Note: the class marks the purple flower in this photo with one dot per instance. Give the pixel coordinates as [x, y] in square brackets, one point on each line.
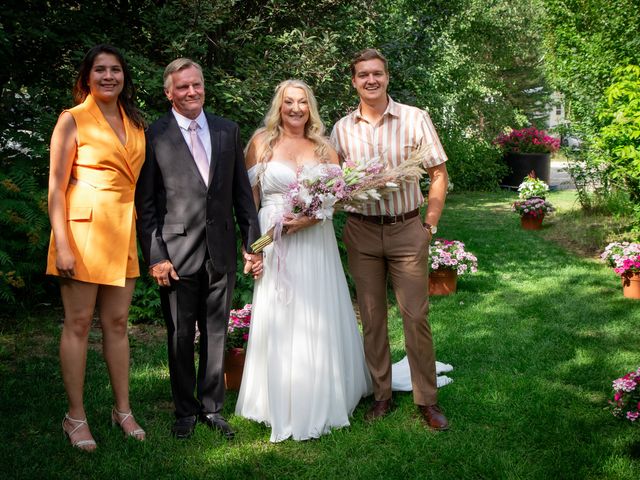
[450, 254]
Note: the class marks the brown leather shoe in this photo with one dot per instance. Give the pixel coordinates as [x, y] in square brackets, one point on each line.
[433, 417]
[378, 409]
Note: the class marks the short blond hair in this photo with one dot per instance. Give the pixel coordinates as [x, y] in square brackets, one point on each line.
[177, 65]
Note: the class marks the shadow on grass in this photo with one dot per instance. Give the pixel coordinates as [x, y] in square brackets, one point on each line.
[536, 337]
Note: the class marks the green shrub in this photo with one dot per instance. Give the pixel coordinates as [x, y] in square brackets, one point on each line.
[473, 164]
[145, 306]
[25, 230]
[619, 137]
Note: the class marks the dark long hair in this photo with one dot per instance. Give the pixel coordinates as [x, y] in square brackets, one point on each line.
[127, 97]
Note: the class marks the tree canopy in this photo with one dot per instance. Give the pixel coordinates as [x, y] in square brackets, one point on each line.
[471, 63]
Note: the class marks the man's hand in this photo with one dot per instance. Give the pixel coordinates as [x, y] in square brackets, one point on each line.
[253, 264]
[428, 232]
[163, 272]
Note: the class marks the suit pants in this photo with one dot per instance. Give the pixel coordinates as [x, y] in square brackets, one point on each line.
[399, 252]
[203, 298]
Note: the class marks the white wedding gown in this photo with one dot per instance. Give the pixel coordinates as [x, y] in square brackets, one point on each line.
[305, 371]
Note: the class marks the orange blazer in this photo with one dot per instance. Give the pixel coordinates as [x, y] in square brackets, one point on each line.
[100, 199]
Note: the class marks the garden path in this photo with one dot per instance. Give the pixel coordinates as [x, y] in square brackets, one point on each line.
[559, 179]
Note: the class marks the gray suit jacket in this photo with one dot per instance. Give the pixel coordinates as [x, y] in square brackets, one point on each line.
[179, 217]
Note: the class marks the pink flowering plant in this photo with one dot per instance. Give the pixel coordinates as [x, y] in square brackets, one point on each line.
[626, 396]
[623, 257]
[532, 207]
[238, 328]
[451, 255]
[527, 140]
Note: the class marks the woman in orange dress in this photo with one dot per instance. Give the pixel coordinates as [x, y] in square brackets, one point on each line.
[97, 151]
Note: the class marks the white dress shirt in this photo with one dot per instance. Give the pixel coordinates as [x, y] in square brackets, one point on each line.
[203, 131]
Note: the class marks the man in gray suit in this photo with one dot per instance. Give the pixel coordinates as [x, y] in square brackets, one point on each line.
[192, 183]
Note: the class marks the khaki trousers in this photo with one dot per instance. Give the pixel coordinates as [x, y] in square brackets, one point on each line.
[398, 252]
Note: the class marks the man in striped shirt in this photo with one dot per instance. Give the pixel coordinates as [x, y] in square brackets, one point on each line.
[389, 238]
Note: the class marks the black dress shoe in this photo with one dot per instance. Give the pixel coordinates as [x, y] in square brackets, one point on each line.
[183, 427]
[217, 422]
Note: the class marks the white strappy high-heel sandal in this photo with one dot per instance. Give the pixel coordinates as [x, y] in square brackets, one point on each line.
[77, 424]
[118, 418]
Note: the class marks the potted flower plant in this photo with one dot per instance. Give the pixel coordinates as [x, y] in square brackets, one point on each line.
[525, 150]
[624, 258]
[237, 337]
[626, 396]
[532, 186]
[448, 260]
[532, 211]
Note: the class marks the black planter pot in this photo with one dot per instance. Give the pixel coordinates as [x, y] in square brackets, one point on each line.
[521, 164]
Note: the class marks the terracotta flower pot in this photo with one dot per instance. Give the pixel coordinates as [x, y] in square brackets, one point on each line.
[233, 367]
[631, 285]
[443, 282]
[529, 222]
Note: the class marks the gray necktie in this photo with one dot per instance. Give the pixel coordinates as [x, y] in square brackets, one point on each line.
[198, 151]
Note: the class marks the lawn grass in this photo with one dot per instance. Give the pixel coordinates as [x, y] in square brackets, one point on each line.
[536, 337]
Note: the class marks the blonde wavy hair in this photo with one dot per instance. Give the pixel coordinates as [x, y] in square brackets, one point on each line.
[272, 123]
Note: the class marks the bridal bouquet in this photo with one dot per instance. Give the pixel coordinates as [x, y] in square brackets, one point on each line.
[626, 397]
[317, 191]
[322, 189]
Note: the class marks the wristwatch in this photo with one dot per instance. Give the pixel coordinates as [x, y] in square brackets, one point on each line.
[432, 228]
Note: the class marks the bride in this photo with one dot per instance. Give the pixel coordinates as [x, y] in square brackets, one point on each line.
[305, 371]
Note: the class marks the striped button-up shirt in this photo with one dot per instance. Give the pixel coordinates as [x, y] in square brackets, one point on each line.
[401, 130]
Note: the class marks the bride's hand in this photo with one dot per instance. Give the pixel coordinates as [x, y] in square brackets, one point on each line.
[253, 264]
[294, 223]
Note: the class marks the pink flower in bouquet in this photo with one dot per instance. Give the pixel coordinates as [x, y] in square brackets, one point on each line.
[317, 191]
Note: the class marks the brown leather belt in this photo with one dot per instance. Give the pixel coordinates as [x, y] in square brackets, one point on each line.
[386, 219]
